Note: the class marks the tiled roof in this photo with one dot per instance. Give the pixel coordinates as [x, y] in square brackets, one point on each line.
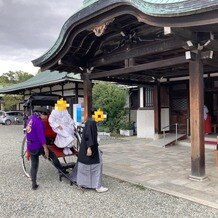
[164, 7]
[42, 79]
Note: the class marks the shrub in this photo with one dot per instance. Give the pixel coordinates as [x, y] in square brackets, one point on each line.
[103, 128]
[126, 125]
[112, 98]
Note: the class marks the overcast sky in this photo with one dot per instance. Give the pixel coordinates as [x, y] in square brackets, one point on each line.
[28, 28]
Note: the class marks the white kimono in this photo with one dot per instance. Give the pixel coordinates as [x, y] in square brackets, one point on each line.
[65, 137]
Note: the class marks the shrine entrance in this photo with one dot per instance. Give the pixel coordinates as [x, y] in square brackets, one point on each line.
[179, 108]
[145, 44]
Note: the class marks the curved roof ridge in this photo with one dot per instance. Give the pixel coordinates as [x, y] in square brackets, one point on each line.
[146, 5]
[155, 8]
[90, 2]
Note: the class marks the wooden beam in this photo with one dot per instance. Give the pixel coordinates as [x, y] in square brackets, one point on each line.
[128, 82]
[196, 119]
[138, 50]
[142, 67]
[182, 33]
[212, 62]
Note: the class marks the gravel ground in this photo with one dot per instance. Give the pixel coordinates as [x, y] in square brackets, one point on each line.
[59, 199]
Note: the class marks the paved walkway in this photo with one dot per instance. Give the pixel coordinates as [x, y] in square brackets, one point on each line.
[162, 169]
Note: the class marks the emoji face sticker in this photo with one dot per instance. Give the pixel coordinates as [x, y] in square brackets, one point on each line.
[99, 116]
[61, 105]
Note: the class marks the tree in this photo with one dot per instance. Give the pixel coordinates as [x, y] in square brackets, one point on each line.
[112, 98]
[10, 101]
[3, 80]
[14, 77]
[23, 76]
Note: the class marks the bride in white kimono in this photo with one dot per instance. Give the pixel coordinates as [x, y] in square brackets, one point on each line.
[62, 124]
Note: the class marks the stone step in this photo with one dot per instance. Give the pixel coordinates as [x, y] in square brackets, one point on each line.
[169, 139]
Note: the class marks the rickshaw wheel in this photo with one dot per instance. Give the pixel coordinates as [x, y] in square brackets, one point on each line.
[26, 163]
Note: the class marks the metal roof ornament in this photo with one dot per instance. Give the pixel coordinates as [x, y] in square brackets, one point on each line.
[99, 30]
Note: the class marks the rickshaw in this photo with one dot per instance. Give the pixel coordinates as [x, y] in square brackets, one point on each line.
[67, 161]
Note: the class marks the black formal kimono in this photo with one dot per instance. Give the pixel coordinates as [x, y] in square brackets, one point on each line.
[89, 139]
[88, 170]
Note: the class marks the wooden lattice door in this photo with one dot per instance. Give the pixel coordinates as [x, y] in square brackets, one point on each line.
[179, 107]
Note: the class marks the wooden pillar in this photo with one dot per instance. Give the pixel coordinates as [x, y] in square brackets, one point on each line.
[157, 114]
[87, 87]
[62, 90]
[129, 63]
[196, 119]
[76, 93]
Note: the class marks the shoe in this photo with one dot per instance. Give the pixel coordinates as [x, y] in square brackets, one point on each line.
[34, 187]
[65, 171]
[101, 189]
[65, 151]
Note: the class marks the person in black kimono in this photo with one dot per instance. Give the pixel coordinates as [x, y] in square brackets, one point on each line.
[88, 171]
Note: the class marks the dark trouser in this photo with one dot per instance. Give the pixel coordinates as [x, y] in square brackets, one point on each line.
[35, 162]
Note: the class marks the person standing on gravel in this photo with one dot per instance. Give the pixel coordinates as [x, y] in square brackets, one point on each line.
[36, 143]
[88, 171]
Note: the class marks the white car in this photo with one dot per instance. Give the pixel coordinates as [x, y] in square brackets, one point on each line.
[9, 117]
[1, 116]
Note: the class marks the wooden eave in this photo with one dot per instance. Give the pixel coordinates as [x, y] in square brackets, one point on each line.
[129, 33]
